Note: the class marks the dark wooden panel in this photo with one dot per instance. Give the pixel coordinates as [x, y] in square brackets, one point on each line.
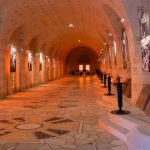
[144, 100]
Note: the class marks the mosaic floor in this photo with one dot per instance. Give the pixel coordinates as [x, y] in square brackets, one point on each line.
[60, 115]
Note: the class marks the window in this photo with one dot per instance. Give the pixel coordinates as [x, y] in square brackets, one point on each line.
[87, 67]
[80, 67]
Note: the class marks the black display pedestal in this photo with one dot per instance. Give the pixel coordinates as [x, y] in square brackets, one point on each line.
[102, 77]
[120, 111]
[104, 80]
[109, 86]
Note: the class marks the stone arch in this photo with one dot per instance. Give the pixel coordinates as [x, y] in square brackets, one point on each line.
[81, 55]
[18, 36]
[34, 43]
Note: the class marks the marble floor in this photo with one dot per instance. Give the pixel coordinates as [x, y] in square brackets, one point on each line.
[60, 115]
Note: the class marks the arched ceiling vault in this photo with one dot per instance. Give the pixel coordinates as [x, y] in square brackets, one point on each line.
[44, 24]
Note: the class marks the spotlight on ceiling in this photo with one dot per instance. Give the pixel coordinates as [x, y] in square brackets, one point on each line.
[71, 25]
[100, 52]
[105, 43]
[110, 34]
[79, 41]
[102, 49]
[99, 59]
[122, 20]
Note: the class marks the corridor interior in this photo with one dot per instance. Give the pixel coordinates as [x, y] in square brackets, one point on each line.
[74, 74]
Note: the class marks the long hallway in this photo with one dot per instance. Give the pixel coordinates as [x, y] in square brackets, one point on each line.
[75, 74]
[61, 115]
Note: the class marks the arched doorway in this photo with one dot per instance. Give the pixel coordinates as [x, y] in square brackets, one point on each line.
[81, 59]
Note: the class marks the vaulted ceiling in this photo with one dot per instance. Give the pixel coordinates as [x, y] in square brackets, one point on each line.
[57, 26]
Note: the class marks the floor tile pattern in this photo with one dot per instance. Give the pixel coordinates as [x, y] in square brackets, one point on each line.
[66, 109]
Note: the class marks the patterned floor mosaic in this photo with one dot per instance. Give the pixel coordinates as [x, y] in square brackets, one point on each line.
[60, 115]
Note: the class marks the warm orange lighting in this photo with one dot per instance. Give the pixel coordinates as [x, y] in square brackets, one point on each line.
[13, 80]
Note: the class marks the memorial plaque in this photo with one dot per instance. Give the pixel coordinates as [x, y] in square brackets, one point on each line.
[144, 100]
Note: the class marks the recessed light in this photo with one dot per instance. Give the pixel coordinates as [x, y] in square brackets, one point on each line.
[99, 59]
[105, 43]
[71, 25]
[122, 20]
[110, 34]
[100, 52]
[79, 41]
[102, 49]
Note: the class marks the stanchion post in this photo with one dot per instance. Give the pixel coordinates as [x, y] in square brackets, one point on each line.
[120, 100]
[104, 79]
[109, 86]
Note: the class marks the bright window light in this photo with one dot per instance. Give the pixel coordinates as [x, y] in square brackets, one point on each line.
[87, 67]
[80, 67]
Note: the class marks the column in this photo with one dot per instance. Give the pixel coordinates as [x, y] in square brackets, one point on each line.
[36, 68]
[3, 47]
[22, 70]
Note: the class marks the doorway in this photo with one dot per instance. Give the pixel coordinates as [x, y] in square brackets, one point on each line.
[84, 69]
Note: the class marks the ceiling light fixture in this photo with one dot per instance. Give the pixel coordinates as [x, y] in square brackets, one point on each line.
[122, 20]
[105, 43]
[71, 25]
[99, 59]
[110, 34]
[79, 41]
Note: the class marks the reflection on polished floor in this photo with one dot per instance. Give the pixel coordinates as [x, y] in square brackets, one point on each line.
[61, 115]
